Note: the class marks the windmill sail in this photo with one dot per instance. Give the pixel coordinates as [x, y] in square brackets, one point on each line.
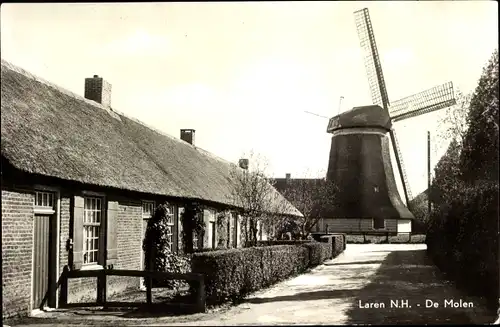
[402, 171]
[433, 99]
[371, 58]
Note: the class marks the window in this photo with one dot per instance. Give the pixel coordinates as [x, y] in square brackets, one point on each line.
[44, 199]
[148, 208]
[170, 228]
[378, 223]
[213, 231]
[92, 219]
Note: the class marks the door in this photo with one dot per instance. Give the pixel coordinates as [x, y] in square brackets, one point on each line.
[143, 263]
[41, 261]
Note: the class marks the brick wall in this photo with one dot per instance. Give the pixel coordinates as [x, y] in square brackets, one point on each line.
[129, 242]
[17, 245]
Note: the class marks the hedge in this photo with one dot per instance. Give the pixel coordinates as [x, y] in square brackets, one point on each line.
[337, 242]
[283, 242]
[233, 274]
[463, 240]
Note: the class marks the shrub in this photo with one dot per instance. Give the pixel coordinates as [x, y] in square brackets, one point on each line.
[282, 242]
[157, 249]
[234, 273]
[318, 252]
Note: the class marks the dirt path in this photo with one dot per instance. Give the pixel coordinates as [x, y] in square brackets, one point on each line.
[338, 291]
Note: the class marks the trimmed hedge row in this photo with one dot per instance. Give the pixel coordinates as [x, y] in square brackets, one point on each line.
[283, 242]
[338, 242]
[233, 274]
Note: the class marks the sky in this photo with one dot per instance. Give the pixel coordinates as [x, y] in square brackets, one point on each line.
[242, 74]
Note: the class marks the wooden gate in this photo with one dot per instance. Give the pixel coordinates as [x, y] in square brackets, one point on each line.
[41, 260]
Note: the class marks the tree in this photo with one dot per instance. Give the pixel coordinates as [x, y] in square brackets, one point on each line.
[479, 159]
[311, 196]
[453, 126]
[258, 200]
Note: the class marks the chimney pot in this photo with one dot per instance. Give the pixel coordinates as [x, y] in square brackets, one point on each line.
[187, 135]
[98, 90]
[243, 163]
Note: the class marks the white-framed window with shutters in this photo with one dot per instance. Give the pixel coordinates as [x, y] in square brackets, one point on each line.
[92, 229]
[148, 208]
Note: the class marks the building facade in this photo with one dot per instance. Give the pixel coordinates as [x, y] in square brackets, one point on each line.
[80, 182]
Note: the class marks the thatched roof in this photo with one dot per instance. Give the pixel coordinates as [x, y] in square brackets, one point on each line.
[50, 131]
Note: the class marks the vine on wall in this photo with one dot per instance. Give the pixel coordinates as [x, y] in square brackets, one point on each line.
[222, 222]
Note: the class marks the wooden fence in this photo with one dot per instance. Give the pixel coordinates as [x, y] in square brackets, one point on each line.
[101, 275]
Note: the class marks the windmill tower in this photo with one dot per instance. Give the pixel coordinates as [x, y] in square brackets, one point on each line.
[360, 152]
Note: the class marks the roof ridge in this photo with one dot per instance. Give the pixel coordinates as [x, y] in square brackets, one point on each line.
[63, 90]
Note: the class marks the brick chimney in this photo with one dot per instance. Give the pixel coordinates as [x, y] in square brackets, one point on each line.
[187, 135]
[243, 163]
[97, 89]
[287, 177]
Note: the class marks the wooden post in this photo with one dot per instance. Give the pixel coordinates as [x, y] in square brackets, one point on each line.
[149, 287]
[149, 282]
[63, 295]
[387, 237]
[101, 288]
[201, 296]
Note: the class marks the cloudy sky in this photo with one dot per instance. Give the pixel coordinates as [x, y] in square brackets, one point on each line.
[242, 74]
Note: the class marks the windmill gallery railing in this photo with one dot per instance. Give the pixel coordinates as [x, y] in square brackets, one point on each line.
[197, 280]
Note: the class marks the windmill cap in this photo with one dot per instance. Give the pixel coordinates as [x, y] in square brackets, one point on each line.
[365, 116]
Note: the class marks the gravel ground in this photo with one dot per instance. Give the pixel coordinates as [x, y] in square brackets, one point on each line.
[334, 293]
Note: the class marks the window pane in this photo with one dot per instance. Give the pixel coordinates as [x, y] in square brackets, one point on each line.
[98, 204]
[98, 217]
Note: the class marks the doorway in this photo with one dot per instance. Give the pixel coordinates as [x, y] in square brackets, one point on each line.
[44, 251]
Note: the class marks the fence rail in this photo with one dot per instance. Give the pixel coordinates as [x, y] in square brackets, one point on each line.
[101, 275]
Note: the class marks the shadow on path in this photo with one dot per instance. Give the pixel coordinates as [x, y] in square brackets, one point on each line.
[370, 262]
[408, 277]
[306, 296]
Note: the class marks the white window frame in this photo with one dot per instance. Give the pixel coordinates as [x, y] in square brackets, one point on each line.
[44, 202]
[373, 224]
[145, 214]
[171, 225]
[100, 229]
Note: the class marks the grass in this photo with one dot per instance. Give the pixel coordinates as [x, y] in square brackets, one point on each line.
[379, 239]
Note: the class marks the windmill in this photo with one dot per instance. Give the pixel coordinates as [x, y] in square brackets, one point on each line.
[435, 98]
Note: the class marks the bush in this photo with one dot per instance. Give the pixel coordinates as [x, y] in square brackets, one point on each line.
[282, 242]
[336, 241]
[232, 274]
[157, 253]
[318, 252]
